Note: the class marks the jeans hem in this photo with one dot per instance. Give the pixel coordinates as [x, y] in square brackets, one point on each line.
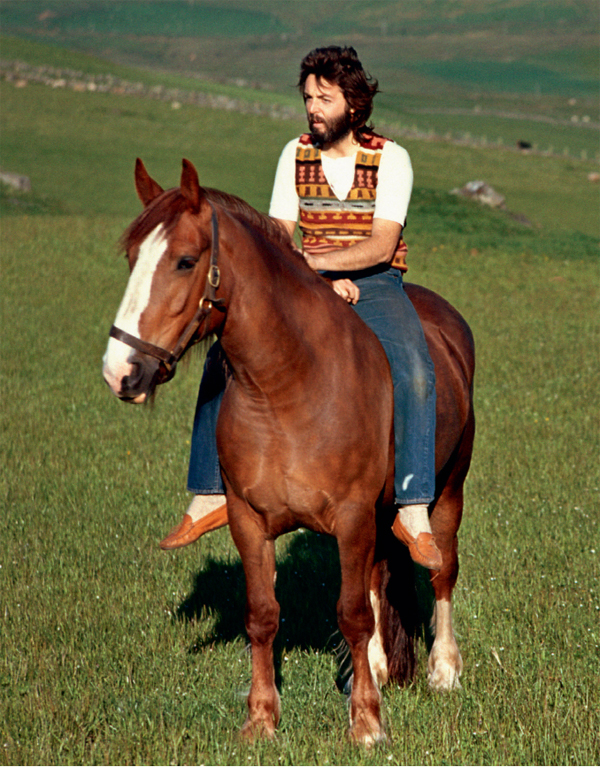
[206, 491]
[415, 502]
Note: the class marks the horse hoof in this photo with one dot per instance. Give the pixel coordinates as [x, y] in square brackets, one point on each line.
[261, 730]
[368, 737]
[444, 666]
[367, 730]
[445, 677]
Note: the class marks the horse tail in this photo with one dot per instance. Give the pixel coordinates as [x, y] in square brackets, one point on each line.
[394, 585]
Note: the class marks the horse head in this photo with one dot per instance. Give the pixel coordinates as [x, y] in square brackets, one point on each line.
[172, 251]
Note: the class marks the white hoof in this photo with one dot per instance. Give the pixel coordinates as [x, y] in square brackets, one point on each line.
[445, 665]
[444, 678]
[443, 673]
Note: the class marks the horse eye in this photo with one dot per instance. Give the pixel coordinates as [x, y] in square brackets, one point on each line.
[185, 263]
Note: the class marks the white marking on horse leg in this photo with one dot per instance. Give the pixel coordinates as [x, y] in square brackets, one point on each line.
[116, 363]
[445, 665]
[377, 656]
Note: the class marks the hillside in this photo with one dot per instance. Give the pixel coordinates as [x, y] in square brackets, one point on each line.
[117, 113]
[506, 70]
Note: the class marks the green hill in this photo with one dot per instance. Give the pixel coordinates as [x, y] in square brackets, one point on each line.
[83, 164]
[509, 69]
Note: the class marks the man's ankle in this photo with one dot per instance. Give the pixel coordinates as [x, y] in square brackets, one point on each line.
[202, 505]
[415, 518]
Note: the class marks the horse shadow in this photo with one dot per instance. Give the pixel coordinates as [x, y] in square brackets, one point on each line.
[307, 588]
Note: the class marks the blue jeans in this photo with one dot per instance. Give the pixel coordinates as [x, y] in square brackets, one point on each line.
[387, 310]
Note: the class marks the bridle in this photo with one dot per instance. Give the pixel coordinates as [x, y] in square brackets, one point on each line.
[168, 359]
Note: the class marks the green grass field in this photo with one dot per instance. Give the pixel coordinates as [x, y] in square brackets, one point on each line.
[113, 652]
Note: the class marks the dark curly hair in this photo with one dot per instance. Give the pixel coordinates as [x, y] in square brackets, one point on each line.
[342, 67]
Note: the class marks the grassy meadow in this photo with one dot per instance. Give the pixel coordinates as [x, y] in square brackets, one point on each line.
[114, 652]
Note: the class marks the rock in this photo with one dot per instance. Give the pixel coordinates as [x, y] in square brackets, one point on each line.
[16, 181]
[484, 193]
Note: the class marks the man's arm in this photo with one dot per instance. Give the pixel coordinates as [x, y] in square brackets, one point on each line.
[344, 287]
[377, 249]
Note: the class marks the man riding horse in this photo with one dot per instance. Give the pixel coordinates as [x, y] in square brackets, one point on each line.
[350, 189]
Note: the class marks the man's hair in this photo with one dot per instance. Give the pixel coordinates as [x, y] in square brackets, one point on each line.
[342, 67]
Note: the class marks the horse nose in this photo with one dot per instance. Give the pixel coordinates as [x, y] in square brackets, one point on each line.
[131, 382]
[139, 382]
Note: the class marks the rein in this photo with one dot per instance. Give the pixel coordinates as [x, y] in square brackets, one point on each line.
[169, 359]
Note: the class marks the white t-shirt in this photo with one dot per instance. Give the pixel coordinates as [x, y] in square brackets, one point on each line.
[394, 182]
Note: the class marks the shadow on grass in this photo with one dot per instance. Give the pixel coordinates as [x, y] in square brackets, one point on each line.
[307, 589]
[308, 586]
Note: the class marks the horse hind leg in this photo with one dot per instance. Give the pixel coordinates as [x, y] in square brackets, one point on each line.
[392, 650]
[445, 664]
[376, 650]
[378, 661]
[356, 622]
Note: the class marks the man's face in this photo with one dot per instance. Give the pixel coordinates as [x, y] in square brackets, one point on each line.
[327, 111]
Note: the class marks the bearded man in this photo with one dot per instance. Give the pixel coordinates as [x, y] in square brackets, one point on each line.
[348, 188]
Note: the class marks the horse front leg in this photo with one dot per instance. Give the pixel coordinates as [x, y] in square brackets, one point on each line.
[262, 620]
[377, 656]
[356, 545]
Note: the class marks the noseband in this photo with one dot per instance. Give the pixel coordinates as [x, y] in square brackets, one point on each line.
[169, 359]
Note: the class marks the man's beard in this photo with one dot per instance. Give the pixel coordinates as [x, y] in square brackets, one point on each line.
[334, 131]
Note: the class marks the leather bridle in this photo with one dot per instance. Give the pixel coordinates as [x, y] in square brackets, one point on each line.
[168, 359]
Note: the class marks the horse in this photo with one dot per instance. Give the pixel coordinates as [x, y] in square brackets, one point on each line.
[305, 430]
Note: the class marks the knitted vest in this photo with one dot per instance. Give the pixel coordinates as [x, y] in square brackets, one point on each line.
[327, 223]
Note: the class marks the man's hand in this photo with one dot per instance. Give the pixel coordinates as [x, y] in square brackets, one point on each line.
[347, 290]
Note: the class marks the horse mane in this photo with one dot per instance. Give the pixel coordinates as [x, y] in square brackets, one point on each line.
[266, 225]
[170, 205]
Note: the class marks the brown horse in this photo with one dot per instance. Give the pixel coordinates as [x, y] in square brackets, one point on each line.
[305, 427]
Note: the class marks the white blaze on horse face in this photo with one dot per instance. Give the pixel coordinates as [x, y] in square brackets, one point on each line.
[137, 296]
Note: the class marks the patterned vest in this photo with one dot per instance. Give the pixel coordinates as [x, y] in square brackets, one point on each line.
[327, 223]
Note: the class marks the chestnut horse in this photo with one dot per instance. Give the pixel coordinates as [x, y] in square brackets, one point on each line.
[305, 427]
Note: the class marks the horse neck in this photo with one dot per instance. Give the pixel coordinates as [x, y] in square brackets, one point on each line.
[267, 335]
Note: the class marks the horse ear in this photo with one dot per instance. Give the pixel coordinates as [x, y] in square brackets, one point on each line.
[145, 186]
[190, 186]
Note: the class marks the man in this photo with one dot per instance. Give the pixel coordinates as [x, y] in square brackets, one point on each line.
[350, 189]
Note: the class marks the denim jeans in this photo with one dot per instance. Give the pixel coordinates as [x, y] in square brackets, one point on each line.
[387, 310]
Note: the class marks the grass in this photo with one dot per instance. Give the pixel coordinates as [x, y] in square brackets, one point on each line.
[105, 132]
[113, 652]
[160, 17]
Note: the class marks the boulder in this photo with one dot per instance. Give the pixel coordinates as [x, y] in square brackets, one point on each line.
[16, 181]
[484, 193]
